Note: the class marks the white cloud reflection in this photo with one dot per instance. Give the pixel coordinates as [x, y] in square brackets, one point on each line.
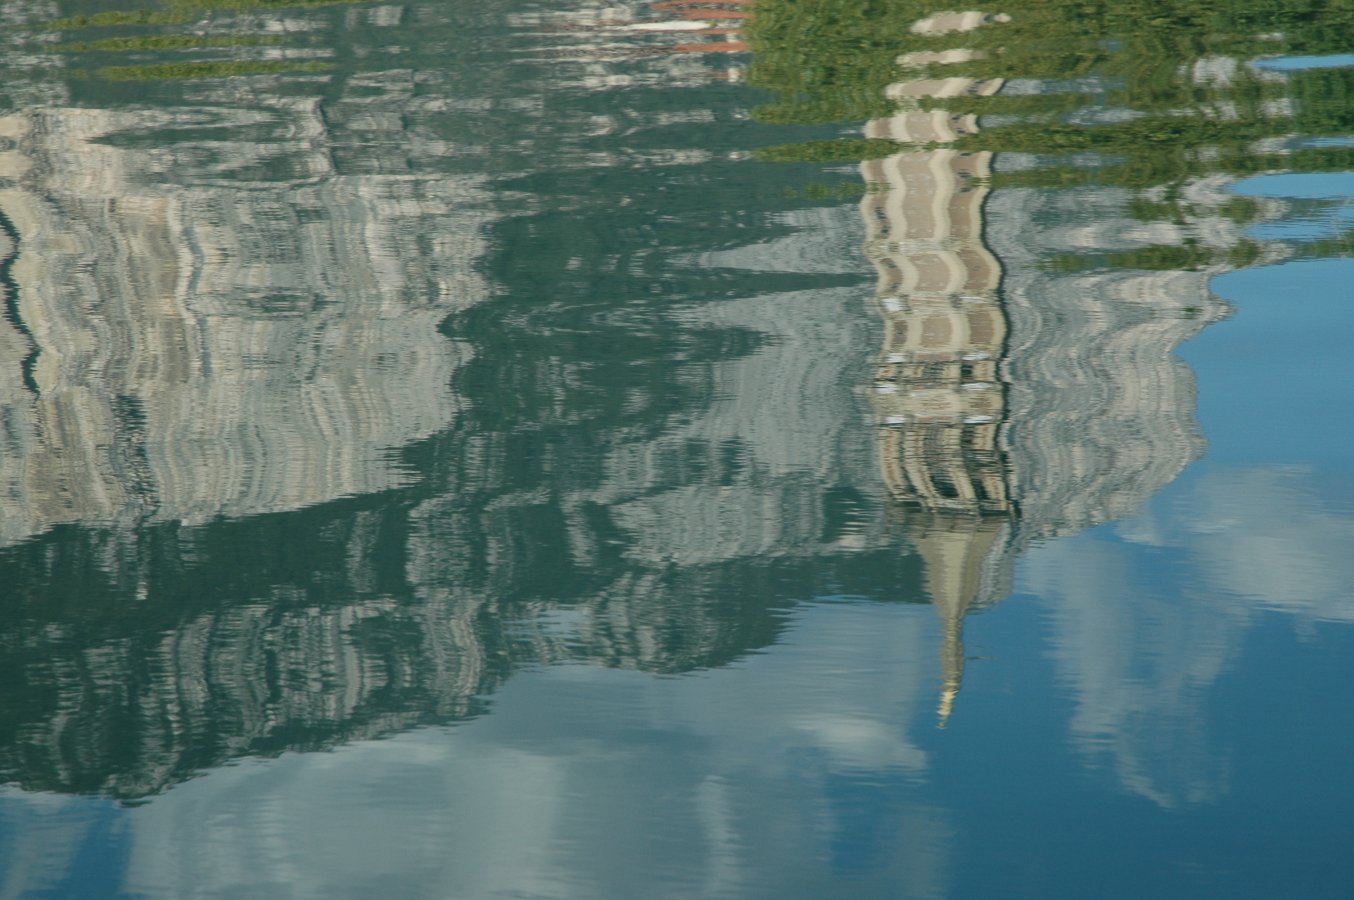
[1144, 628]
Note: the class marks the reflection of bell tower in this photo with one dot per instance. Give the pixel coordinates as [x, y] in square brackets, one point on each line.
[937, 392]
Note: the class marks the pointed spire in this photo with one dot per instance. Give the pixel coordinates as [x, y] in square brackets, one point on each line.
[951, 667]
[964, 559]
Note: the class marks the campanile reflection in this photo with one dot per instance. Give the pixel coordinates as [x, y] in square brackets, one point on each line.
[937, 394]
[1014, 402]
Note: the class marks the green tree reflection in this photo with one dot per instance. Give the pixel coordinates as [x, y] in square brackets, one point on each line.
[1142, 95]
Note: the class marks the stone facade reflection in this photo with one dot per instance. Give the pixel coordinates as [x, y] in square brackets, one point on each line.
[186, 351]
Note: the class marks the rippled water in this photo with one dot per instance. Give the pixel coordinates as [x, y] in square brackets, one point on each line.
[671, 449]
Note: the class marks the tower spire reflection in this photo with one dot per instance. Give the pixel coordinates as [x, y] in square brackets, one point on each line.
[937, 394]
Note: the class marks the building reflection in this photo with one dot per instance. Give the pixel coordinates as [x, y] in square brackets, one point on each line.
[938, 393]
[212, 377]
[224, 325]
[227, 331]
[1012, 403]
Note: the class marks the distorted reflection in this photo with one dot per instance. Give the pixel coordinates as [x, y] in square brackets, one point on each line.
[197, 350]
[1027, 386]
[442, 457]
[231, 314]
[937, 391]
[773, 776]
[1099, 416]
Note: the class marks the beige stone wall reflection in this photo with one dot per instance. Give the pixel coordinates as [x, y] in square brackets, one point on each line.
[182, 343]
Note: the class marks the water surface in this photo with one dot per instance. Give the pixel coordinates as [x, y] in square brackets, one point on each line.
[662, 449]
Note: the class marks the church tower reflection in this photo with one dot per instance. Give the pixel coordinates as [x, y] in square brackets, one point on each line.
[937, 393]
[1016, 401]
